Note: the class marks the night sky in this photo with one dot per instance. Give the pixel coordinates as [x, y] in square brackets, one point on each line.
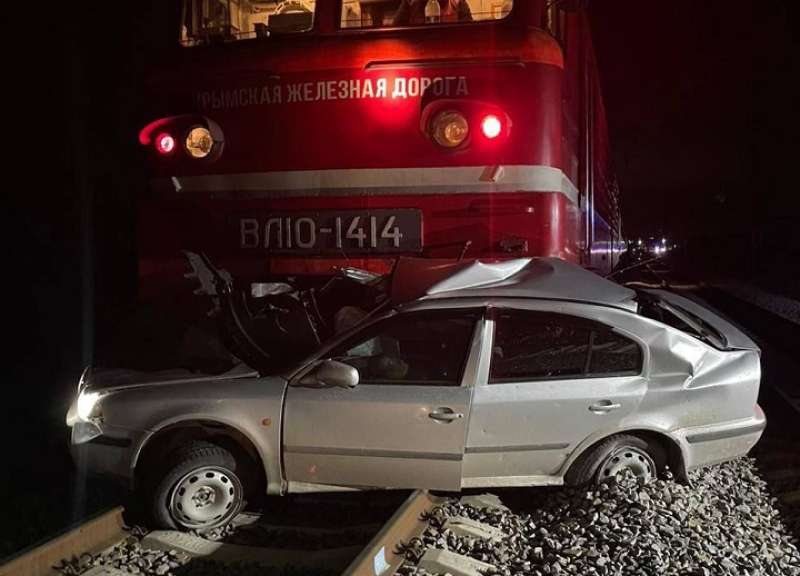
[700, 112]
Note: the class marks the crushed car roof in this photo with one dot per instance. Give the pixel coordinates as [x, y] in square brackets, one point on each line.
[546, 278]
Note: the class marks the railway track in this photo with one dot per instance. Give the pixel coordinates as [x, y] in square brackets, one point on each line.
[778, 452]
[353, 534]
[778, 460]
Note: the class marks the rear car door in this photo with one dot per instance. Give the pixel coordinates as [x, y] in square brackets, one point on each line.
[404, 425]
[553, 381]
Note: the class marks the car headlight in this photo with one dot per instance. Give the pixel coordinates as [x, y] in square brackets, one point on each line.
[87, 407]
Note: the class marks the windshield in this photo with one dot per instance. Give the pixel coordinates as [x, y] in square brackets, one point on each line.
[360, 14]
[212, 21]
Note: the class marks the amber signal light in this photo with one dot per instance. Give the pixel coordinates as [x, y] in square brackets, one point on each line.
[450, 129]
[199, 142]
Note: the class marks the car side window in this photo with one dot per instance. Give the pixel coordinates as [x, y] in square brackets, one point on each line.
[613, 353]
[420, 348]
[542, 346]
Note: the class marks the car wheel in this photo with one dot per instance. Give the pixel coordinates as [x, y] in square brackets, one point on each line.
[645, 459]
[198, 490]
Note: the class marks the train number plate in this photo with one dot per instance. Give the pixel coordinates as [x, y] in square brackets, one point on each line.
[350, 232]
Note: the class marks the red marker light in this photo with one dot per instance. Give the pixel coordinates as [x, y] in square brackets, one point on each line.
[491, 126]
[165, 143]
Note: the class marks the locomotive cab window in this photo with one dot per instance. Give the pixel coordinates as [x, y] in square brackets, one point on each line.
[212, 21]
[390, 13]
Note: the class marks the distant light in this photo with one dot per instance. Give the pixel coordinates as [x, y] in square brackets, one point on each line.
[165, 143]
[663, 240]
[640, 242]
[491, 126]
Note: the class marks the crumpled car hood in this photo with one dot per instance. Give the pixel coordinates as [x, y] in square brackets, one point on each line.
[108, 380]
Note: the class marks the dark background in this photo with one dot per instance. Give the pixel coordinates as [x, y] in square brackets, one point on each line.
[701, 112]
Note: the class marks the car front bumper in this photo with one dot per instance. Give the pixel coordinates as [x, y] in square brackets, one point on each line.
[109, 454]
[705, 445]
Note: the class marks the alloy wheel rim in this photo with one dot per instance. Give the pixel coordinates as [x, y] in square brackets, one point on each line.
[636, 460]
[205, 497]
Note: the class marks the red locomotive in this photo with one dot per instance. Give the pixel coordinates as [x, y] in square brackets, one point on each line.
[296, 137]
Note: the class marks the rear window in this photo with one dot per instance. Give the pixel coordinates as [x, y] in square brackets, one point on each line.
[379, 14]
[650, 306]
[215, 21]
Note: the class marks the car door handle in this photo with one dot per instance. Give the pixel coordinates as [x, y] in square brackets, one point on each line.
[445, 415]
[604, 407]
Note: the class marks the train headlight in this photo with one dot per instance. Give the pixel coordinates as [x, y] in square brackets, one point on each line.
[450, 129]
[199, 142]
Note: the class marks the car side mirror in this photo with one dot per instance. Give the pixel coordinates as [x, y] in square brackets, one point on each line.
[331, 373]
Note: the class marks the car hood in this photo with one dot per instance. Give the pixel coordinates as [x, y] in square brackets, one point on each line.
[108, 380]
[735, 337]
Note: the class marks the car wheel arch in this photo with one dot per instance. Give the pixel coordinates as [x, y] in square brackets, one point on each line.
[171, 436]
[674, 453]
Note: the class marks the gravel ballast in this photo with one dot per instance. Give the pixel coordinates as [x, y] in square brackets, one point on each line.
[132, 558]
[726, 523]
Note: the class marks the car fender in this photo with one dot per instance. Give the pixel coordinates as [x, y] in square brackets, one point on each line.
[632, 428]
[268, 451]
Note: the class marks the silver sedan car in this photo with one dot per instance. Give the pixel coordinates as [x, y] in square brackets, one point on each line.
[522, 373]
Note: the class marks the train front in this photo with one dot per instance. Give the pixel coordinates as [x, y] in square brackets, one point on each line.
[296, 137]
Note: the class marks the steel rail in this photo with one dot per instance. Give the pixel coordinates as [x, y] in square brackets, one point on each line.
[380, 557]
[93, 535]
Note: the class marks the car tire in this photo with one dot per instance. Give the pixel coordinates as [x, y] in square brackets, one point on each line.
[199, 488]
[644, 457]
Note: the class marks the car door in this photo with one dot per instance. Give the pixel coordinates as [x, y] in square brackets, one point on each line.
[404, 424]
[553, 381]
